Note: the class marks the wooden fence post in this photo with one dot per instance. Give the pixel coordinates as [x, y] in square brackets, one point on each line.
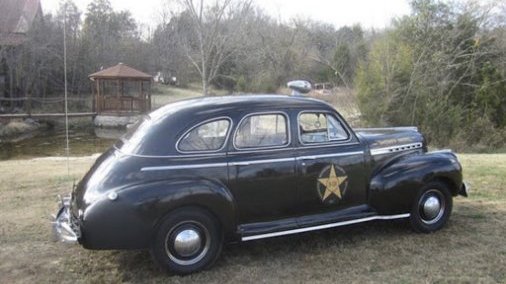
[29, 103]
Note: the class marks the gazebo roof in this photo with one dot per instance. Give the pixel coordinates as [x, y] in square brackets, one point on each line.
[120, 71]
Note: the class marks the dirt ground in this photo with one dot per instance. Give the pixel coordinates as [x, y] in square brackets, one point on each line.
[472, 248]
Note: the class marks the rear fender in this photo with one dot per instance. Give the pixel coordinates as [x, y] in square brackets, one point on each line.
[159, 198]
[131, 220]
[394, 186]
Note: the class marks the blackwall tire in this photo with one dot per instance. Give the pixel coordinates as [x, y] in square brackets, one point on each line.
[188, 240]
[432, 208]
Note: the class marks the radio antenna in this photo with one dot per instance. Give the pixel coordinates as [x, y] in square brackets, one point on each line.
[67, 149]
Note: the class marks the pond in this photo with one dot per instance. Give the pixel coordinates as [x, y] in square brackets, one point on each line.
[82, 142]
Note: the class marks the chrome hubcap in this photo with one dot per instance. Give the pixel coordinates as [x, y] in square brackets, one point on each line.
[187, 242]
[432, 206]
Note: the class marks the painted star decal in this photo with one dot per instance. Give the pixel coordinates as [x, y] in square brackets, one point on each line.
[332, 183]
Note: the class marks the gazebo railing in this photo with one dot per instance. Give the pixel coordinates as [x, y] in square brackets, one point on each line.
[123, 104]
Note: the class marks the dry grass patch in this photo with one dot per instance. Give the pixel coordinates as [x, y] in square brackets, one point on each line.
[471, 248]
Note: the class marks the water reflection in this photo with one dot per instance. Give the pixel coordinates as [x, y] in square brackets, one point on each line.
[82, 142]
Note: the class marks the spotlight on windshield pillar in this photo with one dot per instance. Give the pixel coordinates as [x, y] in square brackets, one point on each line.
[299, 87]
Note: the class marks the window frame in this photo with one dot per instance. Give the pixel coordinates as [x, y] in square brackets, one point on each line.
[330, 142]
[288, 127]
[225, 142]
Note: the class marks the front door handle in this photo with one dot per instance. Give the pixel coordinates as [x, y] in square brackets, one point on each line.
[306, 158]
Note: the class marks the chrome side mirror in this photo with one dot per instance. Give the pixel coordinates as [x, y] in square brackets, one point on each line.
[299, 87]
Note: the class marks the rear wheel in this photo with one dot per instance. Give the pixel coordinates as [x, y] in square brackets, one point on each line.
[188, 240]
[432, 208]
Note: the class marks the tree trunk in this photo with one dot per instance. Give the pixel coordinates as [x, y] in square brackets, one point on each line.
[204, 86]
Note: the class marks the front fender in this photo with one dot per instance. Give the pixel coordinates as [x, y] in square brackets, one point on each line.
[394, 186]
[131, 219]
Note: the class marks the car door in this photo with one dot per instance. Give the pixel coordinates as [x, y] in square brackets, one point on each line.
[262, 167]
[329, 166]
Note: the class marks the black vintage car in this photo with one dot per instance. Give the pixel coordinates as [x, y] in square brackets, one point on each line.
[201, 172]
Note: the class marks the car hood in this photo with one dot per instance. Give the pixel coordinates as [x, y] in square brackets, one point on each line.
[386, 144]
[378, 138]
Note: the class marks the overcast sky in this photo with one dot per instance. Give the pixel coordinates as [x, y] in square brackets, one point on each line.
[369, 13]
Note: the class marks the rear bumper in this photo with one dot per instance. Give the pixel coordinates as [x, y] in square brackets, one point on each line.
[464, 190]
[65, 229]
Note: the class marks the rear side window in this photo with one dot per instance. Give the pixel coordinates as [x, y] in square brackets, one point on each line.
[317, 127]
[208, 136]
[262, 130]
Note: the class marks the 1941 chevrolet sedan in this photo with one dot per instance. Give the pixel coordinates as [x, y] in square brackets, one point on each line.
[195, 174]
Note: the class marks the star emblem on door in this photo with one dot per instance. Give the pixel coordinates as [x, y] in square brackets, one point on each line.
[332, 183]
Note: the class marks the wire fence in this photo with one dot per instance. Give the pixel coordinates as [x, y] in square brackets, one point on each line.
[31, 105]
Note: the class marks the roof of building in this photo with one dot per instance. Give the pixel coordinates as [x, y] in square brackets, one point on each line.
[120, 71]
[16, 18]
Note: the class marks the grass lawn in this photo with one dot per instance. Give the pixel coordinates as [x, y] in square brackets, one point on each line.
[472, 248]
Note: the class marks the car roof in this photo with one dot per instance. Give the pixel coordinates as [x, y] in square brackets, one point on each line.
[219, 104]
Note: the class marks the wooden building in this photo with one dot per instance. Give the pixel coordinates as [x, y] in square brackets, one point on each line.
[121, 90]
[16, 19]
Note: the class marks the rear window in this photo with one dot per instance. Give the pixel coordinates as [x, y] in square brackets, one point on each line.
[207, 136]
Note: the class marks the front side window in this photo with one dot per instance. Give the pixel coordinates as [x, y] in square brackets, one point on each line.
[262, 130]
[209, 136]
[317, 127]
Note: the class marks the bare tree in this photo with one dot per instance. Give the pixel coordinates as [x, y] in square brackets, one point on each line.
[212, 34]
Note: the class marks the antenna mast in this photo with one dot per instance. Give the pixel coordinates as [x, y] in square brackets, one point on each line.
[67, 149]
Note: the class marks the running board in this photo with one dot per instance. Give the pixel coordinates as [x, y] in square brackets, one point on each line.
[326, 226]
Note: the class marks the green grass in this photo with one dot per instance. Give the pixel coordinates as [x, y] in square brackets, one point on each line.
[470, 249]
[486, 174]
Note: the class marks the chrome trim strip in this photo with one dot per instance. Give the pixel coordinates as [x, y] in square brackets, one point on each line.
[320, 145]
[247, 162]
[397, 148]
[305, 147]
[442, 151]
[171, 156]
[260, 150]
[412, 128]
[288, 125]
[183, 167]
[253, 162]
[330, 155]
[326, 226]
[229, 129]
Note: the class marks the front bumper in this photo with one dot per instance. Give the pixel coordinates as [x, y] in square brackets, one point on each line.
[65, 227]
[464, 190]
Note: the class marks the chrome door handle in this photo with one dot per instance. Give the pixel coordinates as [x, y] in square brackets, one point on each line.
[306, 158]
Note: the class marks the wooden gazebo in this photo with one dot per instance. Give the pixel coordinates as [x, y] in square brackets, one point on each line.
[121, 90]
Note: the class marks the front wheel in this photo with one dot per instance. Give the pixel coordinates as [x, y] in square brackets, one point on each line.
[188, 240]
[432, 208]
